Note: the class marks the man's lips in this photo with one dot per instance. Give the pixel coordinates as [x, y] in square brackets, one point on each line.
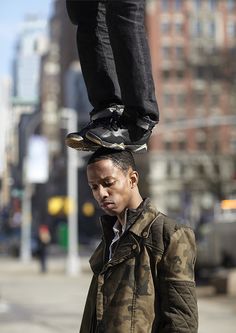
[106, 204]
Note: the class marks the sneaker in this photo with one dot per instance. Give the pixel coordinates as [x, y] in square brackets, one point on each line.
[78, 141]
[75, 141]
[122, 133]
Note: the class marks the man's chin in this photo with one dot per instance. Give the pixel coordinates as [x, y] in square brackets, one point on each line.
[110, 212]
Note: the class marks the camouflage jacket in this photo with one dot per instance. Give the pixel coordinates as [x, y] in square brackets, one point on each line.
[148, 285]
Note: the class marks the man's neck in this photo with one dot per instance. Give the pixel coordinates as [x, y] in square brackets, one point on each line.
[122, 217]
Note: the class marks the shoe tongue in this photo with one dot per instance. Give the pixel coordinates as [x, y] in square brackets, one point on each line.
[102, 114]
[107, 113]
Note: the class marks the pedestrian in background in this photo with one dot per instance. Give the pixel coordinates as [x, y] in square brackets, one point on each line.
[44, 239]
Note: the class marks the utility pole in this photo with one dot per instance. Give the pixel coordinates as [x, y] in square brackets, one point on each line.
[25, 249]
[73, 266]
[35, 171]
[25, 252]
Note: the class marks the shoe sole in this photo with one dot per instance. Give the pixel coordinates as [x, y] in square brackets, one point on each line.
[79, 144]
[119, 146]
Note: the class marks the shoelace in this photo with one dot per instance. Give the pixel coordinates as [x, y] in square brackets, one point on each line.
[109, 123]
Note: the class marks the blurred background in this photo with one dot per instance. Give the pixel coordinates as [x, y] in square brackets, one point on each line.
[46, 208]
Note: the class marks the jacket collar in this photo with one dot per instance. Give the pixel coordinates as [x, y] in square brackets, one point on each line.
[143, 215]
[139, 222]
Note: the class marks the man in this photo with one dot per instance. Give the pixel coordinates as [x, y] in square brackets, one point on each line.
[116, 67]
[143, 268]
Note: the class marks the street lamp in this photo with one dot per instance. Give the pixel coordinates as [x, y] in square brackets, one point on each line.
[25, 248]
[73, 266]
[35, 171]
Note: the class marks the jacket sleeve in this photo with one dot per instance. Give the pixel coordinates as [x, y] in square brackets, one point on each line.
[88, 324]
[176, 294]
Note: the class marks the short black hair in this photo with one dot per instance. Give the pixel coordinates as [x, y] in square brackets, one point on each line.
[123, 159]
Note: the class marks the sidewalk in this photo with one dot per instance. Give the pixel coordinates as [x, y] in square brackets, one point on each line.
[56, 265]
[32, 302]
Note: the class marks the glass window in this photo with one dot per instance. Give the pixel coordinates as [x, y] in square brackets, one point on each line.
[215, 100]
[212, 4]
[178, 5]
[179, 51]
[197, 4]
[231, 29]
[181, 99]
[230, 4]
[199, 72]
[165, 27]
[179, 27]
[201, 145]
[166, 74]
[199, 98]
[182, 145]
[168, 145]
[168, 99]
[165, 5]
[180, 73]
[211, 29]
[197, 28]
[166, 50]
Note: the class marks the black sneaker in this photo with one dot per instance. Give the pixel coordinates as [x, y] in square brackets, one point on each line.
[123, 134]
[78, 140]
[75, 141]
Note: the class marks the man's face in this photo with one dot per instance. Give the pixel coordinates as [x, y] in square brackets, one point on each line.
[111, 186]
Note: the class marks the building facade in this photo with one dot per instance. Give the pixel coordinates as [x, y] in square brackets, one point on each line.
[192, 150]
[31, 45]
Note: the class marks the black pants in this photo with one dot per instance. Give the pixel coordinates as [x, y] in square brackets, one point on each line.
[114, 54]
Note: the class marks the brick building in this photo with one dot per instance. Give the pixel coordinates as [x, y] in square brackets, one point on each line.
[192, 151]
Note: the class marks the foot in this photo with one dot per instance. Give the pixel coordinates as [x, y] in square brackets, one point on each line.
[75, 141]
[123, 134]
[78, 140]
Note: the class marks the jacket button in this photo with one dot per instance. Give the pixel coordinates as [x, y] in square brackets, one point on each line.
[145, 233]
[134, 246]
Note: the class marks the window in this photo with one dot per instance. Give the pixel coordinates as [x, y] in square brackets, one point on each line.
[181, 99]
[182, 145]
[230, 5]
[199, 73]
[211, 29]
[167, 145]
[167, 99]
[179, 51]
[166, 74]
[165, 27]
[212, 4]
[166, 52]
[199, 98]
[180, 73]
[201, 145]
[197, 28]
[165, 5]
[179, 27]
[197, 4]
[231, 29]
[178, 5]
[215, 100]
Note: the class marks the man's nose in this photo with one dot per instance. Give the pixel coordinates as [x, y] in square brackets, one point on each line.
[102, 192]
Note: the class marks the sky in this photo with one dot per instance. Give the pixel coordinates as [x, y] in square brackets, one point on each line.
[12, 13]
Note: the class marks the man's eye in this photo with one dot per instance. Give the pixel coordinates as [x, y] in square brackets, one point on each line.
[109, 184]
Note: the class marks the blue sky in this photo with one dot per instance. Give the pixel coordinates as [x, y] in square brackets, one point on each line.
[12, 13]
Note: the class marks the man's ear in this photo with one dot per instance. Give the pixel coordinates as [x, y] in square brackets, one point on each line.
[133, 178]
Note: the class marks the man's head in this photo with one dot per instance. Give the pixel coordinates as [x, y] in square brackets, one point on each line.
[113, 179]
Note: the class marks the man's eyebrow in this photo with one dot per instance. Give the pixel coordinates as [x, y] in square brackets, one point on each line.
[105, 178]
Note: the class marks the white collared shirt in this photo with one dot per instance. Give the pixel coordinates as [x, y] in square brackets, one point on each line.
[118, 231]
